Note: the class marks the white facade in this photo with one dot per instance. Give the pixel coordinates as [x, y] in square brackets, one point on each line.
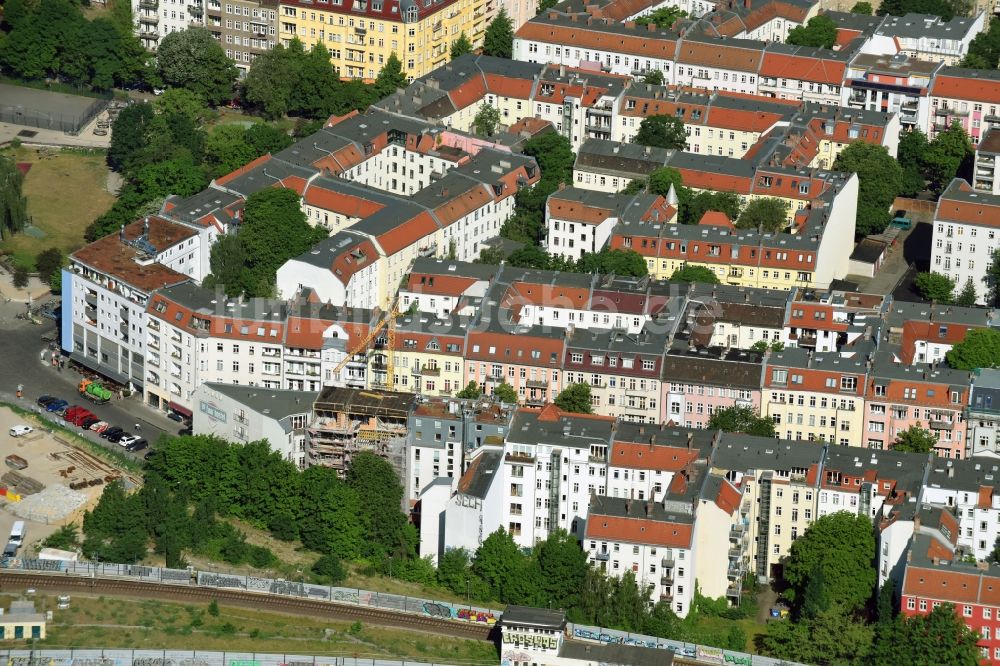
[573, 239]
[978, 526]
[615, 62]
[154, 19]
[963, 251]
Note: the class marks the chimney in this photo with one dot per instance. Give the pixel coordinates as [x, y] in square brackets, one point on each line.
[628, 507]
[121, 234]
[935, 561]
[649, 509]
[562, 71]
[651, 27]
[145, 227]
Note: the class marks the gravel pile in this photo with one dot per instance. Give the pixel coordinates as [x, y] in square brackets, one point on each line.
[52, 504]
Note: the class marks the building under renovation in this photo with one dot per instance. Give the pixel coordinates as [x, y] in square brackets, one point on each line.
[346, 421]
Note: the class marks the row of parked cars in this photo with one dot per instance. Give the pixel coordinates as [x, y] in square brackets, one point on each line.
[85, 419]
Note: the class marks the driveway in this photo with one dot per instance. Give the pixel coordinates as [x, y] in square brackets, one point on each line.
[22, 362]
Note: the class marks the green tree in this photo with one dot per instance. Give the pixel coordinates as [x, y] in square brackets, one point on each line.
[386, 530]
[274, 230]
[129, 133]
[390, 78]
[815, 597]
[265, 138]
[498, 563]
[499, 38]
[979, 349]
[832, 638]
[663, 17]
[635, 186]
[460, 46]
[940, 637]
[545, 5]
[228, 260]
[317, 88]
[618, 262]
[563, 566]
[653, 77]
[227, 149]
[741, 419]
[13, 203]
[470, 392]
[967, 297]
[842, 546]
[662, 179]
[693, 208]
[505, 393]
[880, 180]
[819, 32]
[49, 261]
[690, 273]
[487, 120]
[984, 51]
[193, 59]
[21, 277]
[555, 158]
[530, 256]
[183, 103]
[65, 538]
[768, 213]
[330, 570]
[944, 155]
[180, 175]
[575, 398]
[862, 8]
[329, 514]
[272, 77]
[946, 9]
[915, 440]
[661, 131]
[935, 287]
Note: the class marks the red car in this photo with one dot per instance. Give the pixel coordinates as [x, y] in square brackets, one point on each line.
[71, 412]
[80, 416]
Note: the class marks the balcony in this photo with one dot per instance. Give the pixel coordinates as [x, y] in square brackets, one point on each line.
[667, 595]
[430, 371]
[149, 34]
[520, 457]
[532, 383]
[603, 556]
[735, 570]
[149, 4]
[733, 591]
[737, 532]
[195, 10]
[149, 18]
[123, 313]
[91, 298]
[241, 419]
[123, 328]
[667, 578]
[667, 561]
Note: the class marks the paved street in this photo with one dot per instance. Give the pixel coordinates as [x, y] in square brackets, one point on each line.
[21, 345]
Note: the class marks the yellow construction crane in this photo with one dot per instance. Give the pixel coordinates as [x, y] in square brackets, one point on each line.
[388, 323]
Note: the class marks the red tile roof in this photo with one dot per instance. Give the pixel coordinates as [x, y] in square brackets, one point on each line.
[639, 530]
[654, 45]
[407, 233]
[802, 68]
[967, 87]
[111, 257]
[649, 456]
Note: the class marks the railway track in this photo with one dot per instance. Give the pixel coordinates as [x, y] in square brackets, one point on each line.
[10, 581]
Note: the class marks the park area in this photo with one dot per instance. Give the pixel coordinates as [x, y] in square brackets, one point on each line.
[66, 190]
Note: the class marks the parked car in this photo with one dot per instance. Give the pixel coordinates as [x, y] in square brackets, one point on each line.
[137, 445]
[46, 400]
[89, 421]
[149, 454]
[174, 416]
[20, 430]
[184, 431]
[113, 431]
[128, 439]
[100, 426]
[56, 405]
[115, 437]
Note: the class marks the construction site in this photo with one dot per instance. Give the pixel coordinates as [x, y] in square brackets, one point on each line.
[346, 421]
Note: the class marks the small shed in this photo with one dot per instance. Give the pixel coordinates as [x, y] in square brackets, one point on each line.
[868, 257]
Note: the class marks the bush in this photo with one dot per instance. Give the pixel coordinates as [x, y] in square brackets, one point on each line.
[330, 570]
[260, 557]
[213, 608]
[20, 277]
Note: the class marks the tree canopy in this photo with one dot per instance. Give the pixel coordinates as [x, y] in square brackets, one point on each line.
[842, 546]
[662, 17]
[694, 207]
[915, 439]
[935, 287]
[554, 155]
[499, 38]
[575, 398]
[661, 131]
[880, 182]
[979, 349]
[767, 213]
[940, 637]
[820, 32]
[487, 120]
[741, 419]
[692, 273]
[862, 7]
[967, 297]
[505, 393]
[946, 9]
[460, 46]
[194, 60]
[984, 51]
[470, 392]
[13, 203]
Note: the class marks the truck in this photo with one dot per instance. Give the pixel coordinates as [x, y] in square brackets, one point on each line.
[94, 392]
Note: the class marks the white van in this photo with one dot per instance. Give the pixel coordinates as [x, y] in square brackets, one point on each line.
[17, 533]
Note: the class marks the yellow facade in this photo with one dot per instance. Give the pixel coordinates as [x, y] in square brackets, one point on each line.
[424, 372]
[360, 44]
[815, 416]
[743, 276]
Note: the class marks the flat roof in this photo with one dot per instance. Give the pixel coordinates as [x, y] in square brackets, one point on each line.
[534, 617]
[274, 403]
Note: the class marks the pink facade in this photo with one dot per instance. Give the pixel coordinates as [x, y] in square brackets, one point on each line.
[698, 382]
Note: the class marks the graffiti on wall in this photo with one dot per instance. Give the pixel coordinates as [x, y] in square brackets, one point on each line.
[444, 611]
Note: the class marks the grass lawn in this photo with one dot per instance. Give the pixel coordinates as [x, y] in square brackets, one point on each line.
[721, 625]
[66, 192]
[126, 623]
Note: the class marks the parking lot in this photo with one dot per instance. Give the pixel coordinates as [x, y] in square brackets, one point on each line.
[66, 475]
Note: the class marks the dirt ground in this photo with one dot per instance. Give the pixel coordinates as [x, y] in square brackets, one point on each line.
[49, 462]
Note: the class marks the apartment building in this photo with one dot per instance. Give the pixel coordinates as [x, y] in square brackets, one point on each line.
[244, 28]
[818, 397]
[968, 486]
[965, 236]
[897, 84]
[926, 333]
[986, 172]
[768, 21]
[802, 73]
[609, 166]
[968, 97]
[529, 360]
[983, 414]
[442, 432]
[927, 37]
[732, 317]
[901, 396]
[154, 19]
[623, 370]
[345, 422]
[579, 221]
[698, 382]
[427, 355]
[245, 414]
[106, 289]
[827, 321]
[362, 35]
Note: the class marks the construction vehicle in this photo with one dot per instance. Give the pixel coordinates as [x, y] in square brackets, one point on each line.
[94, 392]
[389, 323]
